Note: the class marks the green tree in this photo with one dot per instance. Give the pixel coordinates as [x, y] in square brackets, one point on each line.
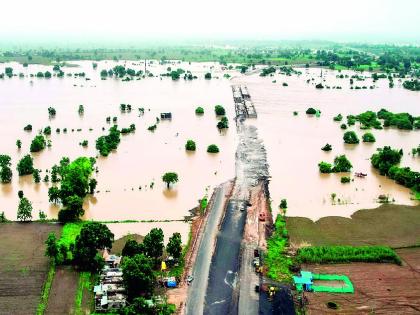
[54, 194]
[350, 137]
[138, 276]
[92, 185]
[385, 158]
[153, 243]
[51, 249]
[341, 164]
[325, 167]
[327, 147]
[93, 236]
[368, 137]
[190, 145]
[132, 248]
[19, 144]
[38, 143]
[207, 76]
[212, 148]
[199, 110]
[139, 305]
[5, 170]
[36, 176]
[174, 247]
[170, 178]
[24, 212]
[219, 110]
[25, 166]
[283, 204]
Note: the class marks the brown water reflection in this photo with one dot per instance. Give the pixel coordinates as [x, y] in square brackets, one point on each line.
[293, 142]
[141, 158]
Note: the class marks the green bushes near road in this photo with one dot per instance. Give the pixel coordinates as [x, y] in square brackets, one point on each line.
[344, 254]
[277, 262]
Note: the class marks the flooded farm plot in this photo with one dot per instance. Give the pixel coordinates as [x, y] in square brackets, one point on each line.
[129, 180]
[294, 143]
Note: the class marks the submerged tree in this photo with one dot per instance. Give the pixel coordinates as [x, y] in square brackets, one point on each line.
[190, 145]
[38, 143]
[25, 166]
[5, 170]
[170, 178]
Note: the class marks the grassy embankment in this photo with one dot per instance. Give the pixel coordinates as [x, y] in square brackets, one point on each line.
[42, 305]
[277, 262]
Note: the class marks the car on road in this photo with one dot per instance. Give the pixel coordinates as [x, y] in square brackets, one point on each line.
[190, 278]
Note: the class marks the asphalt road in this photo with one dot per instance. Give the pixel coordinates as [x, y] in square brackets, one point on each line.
[248, 298]
[200, 272]
[223, 288]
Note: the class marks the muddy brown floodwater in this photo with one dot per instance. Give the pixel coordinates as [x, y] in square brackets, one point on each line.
[293, 143]
[141, 158]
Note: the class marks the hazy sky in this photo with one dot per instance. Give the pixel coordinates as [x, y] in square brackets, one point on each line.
[101, 20]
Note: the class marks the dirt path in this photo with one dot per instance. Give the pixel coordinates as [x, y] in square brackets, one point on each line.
[63, 291]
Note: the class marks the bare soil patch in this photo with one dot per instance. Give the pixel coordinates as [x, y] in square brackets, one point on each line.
[379, 288]
[63, 291]
[393, 225]
[23, 265]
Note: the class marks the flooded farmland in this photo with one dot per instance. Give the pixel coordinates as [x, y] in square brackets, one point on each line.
[294, 143]
[129, 180]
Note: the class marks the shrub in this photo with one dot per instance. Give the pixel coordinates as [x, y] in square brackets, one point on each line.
[339, 117]
[343, 126]
[327, 147]
[385, 158]
[325, 167]
[223, 123]
[190, 145]
[207, 76]
[212, 148]
[28, 128]
[350, 137]
[219, 110]
[345, 179]
[199, 110]
[311, 111]
[368, 137]
[38, 143]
